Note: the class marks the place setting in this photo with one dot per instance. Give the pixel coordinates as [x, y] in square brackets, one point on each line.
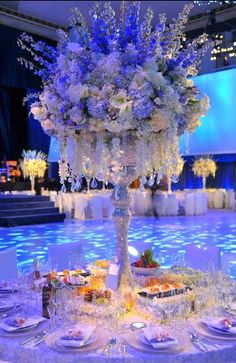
[157, 340]
[218, 328]
[21, 325]
[79, 338]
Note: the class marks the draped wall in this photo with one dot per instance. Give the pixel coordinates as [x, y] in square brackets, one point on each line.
[17, 131]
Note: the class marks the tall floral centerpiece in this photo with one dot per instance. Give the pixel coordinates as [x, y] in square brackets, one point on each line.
[172, 170]
[33, 165]
[116, 96]
[204, 167]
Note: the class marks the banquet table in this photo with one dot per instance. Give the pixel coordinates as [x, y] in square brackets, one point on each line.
[221, 199]
[11, 350]
[97, 204]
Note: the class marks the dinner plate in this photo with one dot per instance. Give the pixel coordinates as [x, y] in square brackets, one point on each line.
[5, 306]
[91, 340]
[203, 329]
[133, 340]
[23, 332]
[51, 342]
[222, 332]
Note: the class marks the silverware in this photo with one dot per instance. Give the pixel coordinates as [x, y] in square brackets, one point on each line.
[205, 340]
[197, 342]
[40, 335]
[39, 340]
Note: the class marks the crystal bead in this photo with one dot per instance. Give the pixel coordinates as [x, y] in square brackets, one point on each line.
[94, 183]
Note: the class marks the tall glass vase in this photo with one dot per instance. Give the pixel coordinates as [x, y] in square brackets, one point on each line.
[121, 201]
[32, 183]
[204, 182]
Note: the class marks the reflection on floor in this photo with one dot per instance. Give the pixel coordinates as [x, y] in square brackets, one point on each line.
[168, 236]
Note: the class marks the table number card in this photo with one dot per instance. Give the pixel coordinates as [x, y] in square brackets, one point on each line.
[113, 276]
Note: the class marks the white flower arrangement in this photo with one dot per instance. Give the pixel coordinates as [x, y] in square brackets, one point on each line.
[122, 80]
[204, 167]
[33, 165]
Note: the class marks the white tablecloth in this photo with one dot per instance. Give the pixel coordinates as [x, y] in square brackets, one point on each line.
[221, 198]
[187, 203]
[98, 205]
[11, 351]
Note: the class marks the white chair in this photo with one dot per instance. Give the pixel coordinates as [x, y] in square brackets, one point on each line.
[96, 206]
[58, 202]
[160, 204]
[203, 258]
[228, 263]
[230, 200]
[107, 207]
[53, 195]
[67, 204]
[8, 264]
[66, 256]
[171, 205]
[200, 203]
[189, 204]
[219, 197]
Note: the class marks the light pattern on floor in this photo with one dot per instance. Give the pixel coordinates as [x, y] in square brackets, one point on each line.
[168, 236]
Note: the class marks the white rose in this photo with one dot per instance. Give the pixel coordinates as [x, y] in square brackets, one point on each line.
[74, 47]
[47, 124]
[38, 112]
[76, 92]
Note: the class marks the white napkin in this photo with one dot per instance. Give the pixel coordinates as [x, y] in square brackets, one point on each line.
[149, 333]
[32, 320]
[216, 323]
[87, 332]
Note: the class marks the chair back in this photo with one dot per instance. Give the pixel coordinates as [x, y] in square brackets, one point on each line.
[8, 264]
[201, 258]
[66, 256]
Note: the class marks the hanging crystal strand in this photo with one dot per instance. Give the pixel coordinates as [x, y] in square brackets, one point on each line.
[187, 142]
[94, 183]
[78, 183]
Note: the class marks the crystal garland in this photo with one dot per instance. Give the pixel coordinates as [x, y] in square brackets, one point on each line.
[102, 156]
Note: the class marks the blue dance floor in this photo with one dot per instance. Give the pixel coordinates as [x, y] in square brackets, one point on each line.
[168, 236]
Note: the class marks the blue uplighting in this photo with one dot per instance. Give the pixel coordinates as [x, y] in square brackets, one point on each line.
[217, 132]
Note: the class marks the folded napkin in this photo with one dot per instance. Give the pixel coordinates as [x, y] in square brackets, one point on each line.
[158, 338]
[77, 336]
[11, 325]
[227, 326]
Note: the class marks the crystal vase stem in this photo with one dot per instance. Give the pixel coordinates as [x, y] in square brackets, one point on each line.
[121, 216]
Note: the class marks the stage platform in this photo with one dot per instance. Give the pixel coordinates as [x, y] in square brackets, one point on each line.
[16, 210]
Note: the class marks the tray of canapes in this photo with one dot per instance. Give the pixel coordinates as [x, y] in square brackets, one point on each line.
[71, 278]
[163, 290]
[99, 296]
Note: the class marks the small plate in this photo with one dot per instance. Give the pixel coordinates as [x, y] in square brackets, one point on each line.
[203, 329]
